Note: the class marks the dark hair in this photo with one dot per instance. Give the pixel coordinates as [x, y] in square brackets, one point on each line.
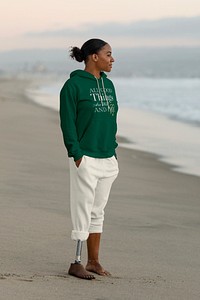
[92, 46]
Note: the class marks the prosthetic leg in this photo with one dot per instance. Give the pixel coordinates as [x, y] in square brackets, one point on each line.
[78, 252]
[76, 269]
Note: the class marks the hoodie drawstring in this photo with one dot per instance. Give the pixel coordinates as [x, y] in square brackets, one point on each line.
[105, 93]
[101, 98]
[99, 92]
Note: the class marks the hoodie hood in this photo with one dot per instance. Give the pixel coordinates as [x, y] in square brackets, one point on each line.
[83, 73]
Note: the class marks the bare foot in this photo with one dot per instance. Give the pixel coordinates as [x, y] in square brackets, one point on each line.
[95, 267]
[79, 271]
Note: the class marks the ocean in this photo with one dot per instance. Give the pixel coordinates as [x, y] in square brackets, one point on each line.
[157, 115]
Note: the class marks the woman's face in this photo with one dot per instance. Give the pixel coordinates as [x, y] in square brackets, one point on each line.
[104, 59]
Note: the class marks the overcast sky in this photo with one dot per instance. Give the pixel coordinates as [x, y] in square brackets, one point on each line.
[61, 23]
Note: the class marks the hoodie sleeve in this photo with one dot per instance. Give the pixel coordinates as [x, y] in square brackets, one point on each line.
[68, 108]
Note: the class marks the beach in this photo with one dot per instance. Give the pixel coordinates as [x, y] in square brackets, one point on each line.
[151, 239]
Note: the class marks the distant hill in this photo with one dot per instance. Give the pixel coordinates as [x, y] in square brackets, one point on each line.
[143, 62]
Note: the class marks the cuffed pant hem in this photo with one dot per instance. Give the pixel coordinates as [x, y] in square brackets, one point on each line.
[79, 235]
[95, 229]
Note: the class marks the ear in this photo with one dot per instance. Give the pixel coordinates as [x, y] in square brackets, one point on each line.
[95, 57]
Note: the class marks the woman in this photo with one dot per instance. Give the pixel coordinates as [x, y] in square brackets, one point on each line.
[88, 110]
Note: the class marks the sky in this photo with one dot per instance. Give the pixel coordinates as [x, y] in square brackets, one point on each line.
[56, 24]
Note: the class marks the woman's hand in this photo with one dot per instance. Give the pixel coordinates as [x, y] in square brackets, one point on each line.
[77, 162]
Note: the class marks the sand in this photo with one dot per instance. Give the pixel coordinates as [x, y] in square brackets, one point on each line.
[151, 240]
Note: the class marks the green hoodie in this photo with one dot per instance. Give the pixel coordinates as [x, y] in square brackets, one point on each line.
[88, 110]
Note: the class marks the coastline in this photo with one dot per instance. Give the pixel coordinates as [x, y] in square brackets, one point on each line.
[151, 234]
[174, 142]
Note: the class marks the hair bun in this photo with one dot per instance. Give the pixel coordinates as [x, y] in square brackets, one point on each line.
[77, 54]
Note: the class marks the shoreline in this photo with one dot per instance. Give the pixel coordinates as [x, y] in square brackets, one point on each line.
[151, 220]
[148, 132]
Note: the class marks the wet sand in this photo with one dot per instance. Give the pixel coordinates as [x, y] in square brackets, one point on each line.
[150, 243]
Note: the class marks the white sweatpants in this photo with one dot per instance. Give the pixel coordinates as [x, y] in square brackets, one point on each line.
[90, 186]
